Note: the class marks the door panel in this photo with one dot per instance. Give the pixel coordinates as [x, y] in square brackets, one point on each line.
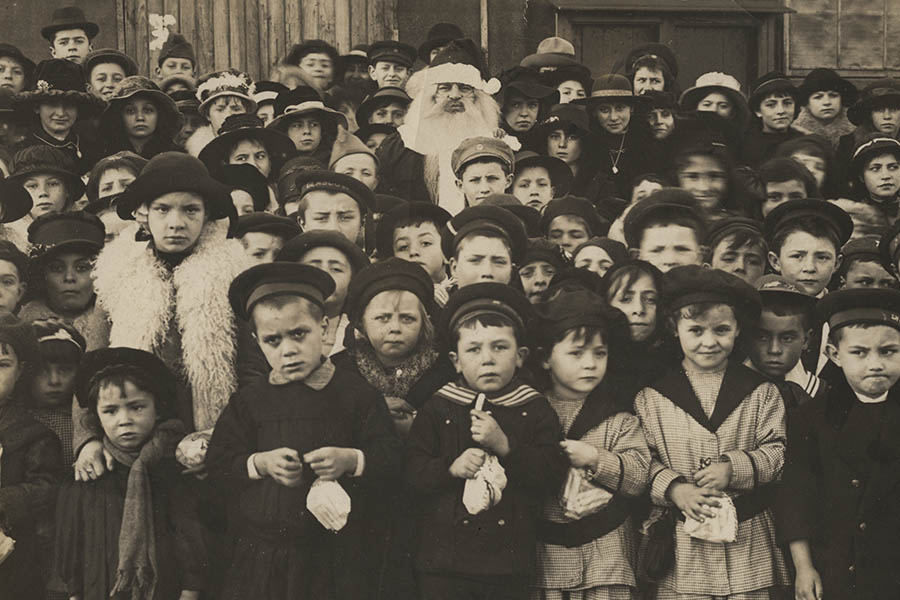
[603, 45]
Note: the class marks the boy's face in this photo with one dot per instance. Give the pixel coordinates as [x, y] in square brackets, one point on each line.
[127, 414]
[290, 337]
[261, 247]
[335, 263]
[387, 73]
[779, 192]
[747, 262]
[332, 211]
[882, 176]
[807, 261]
[667, 246]
[391, 114]
[421, 244]
[12, 288]
[360, 166]
[12, 74]
[57, 117]
[306, 133]
[577, 367]
[319, 67]
[71, 44]
[662, 123]
[594, 258]
[533, 187]
[52, 386]
[105, 79]
[868, 274]
[535, 277]
[708, 339]
[570, 90]
[776, 112]
[567, 147]
[869, 358]
[480, 258]
[10, 369]
[487, 357]
[67, 278]
[479, 180]
[567, 232]
[392, 322]
[176, 221]
[777, 343]
[521, 113]
[175, 66]
[223, 107]
[705, 178]
[251, 152]
[824, 104]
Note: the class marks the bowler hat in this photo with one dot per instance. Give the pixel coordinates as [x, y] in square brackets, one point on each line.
[440, 34]
[108, 55]
[69, 17]
[45, 160]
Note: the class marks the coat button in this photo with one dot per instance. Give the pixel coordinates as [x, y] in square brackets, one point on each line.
[447, 421]
[399, 372]
[862, 526]
[465, 521]
[501, 522]
[852, 569]
[855, 483]
[524, 413]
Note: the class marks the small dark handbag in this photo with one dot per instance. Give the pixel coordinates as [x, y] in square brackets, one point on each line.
[658, 550]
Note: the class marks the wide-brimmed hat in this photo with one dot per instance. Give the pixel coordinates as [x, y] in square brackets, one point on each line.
[439, 35]
[240, 127]
[298, 51]
[56, 233]
[384, 96]
[773, 82]
[304, 100]
[44, 160]
[884, 92]
[225, 83]
[108, 55]
[176, 172]
[10, 51]
[267, 91]
[822, 80]
[612, 88]
[69, 17]
[244, 177]
[57, 79]
[713, 82]
[560, 173]
[573, 72]
[655, 50]
[567, 117]
[15, 201]
[527, 82]
[551, 52]
[873, 145]
[136, 86]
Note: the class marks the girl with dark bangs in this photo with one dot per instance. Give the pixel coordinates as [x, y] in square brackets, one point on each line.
[706, 169]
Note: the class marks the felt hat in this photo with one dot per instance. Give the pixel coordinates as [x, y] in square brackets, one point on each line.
[573, 307]
[244, 177]
[462, 61]
[189, 83]
[773, 82]
[551, 52]
[10, 51]
[237, 128]
[664, 203]
[329, 181]
[102, 56]
[693, 284]
[304, 100]
[530, 217]
[347, 144]
[878, 94]
[280, 278]
[69, 17]
[662, 100]
[634, 263]
[298, 51]
[823, 80]
[410, 212]
[541, 249]
[390, 274]
[473, 148]
[440, 34]
[494, 219]
[55, 331]
[381, 97]
[141, 87]
[366, 131]
[706, 132]
[127, 159]
[568, 117]
[186, 101]
[577, 207]
[96, 365]
[287, 189]
[616, 250]
[385, 203]
[20, 335]
[655, 50]
[487, 298]
[230, 82]
[775, 287]
[176, 172]
[716, 82]
[571, 278]
[860, 306]
[722, 228]
[889, 247]
[807, 210]
[612, 88]
[873, 145]
[392, 51]
[527, 82]
[60, 80]
[560, 173]
[267, 91]
[296, 248]
[54, 233]
[44, 160]
[572, 72]
[176, 46]
[15, 201]
[263, 222]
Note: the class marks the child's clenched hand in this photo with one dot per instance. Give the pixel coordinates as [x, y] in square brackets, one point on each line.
[331, 463]
[93, 461]
[467, 464]
[283, 465]
[486, 431]
[716, 476]
[580, 454]
[695, 502]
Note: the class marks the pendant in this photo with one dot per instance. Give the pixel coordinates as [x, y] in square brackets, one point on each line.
[615, 170]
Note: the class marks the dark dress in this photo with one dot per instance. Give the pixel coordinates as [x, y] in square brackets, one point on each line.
[83, 153]
[401, 171]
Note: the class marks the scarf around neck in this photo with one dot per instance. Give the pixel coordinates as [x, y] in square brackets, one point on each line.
[392, 381]
[832, 131]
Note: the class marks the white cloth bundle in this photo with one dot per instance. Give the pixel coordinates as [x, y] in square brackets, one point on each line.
[7, 545]
[191, 452]
[486, 489]
[329, 504]
[580, 497]
[721, 528]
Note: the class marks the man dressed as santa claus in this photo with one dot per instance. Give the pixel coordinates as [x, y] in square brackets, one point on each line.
[452, 101]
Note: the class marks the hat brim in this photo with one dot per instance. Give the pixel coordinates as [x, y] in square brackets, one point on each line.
[373, 103]
[860, 112]
[277, 144]
[847, 90]
[534, 91]
[16, 201]
[88, 105]
[691, 98]
[69, 246]
[756, 98]
[111, 359]
[90, 29]
[547, 59]
[560, 174]
[294, 250]
[27, 64]
[633, 101]
[74, 184]
[171, 116]
[857, 163]
[148, 187]
[328, 115]
[220, 94]
[102, 57]
[357, 190]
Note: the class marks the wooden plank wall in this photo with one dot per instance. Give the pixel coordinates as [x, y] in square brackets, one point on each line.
[253, 35]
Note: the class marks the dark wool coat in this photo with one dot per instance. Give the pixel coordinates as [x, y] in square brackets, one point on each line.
[83, 152]
[842, 480]
[401, 171]
[760, 147]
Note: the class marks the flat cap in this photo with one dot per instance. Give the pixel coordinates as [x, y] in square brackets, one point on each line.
[279, 278]
[693, 284]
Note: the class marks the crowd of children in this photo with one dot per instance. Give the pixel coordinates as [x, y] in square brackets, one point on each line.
[378, 330]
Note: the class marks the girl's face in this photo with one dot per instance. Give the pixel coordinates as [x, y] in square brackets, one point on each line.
[392, 322]
[646, 79]
[882, 176]
[127, 414]
[521, 113]
[814, 165]
[662, 123]
[68, 282]
[570, 90]
[10, 369]
[535, 278]
[52, 387]
[140, 118]
[614, 118]
[533, 187]
[708, 339]
[824, 105]
[12, 288]
[105, 80]
[48, 192]
[706, 179]
[887, 120]
[565, 146]
[594, 258]
[243, 202]
[306, 133]
[251, 152]
[391, 114]
[776, 112]
[717, 103]
[114, 181]
[638, 301]
[577, 366]
[176, 220]
[223, 107]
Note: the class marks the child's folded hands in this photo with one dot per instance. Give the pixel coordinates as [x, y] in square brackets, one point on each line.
[331, 463]
[282, 464]
[467, 464]
[695, 502]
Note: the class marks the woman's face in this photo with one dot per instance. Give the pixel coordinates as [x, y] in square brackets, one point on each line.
[67, 279]
[638, 301]
[824, 105]
[814, 164]
[613, 117]
[570, 90]
[140, 118]
[662, 123]
[392, 322]
[776, 112]
[57, 118]
[306, 133]
[717, 103]
[564, 146]
[251, 152]
[646, 79]
[882, 176]
[114, 181]
[223, 107]
[706, 179]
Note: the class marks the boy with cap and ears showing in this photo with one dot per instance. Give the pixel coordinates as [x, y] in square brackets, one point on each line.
[666, 230]
[282, 436]
[841, 478]
[483, 243]
[539, 179]
[70, 34]
[736, 245]
[784, 179]
[570, 221]
[390, 63]
[861, 266]
[331, 201]
[176, 59]
[483, 166]
[716, 432]
[481, 454]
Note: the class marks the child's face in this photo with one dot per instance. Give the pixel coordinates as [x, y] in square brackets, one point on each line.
[140, 118]
[421, 244]
[869, 357]
[176, 221]
[567, 232]
[594, 258]
[261, 247]
[776, 112]
[777, 343]
[191, 122]
[577, 367]
[12, 74]
[570, 90]
[887, 120]
[487, 357]
[319, 67]
[533, 187]
[639, 303]
[824, 105]
[479, 180]
[747, 262]
[361, 167]
[52, 386]
[105, 79]
[243, 201]
[176, 66]
[332, 211]
[306, 133]
[335, 263]
[392, 322]
[717, 103]
[374, 141]
[291, 337]
[387, 73]
[390, 114]
[814, 165]
[251, 152]
[646, 79]
[667, 246]
[868, 274]
[807, 261]
[67, 278]
[70, 44]
[480, 258]
[12, 288]
[662, 123]
[57, 117]
[10, 369]
[705, 178]
[535, 277]
[779, 192]
[48, 192]
[521, 113]
[614, 118]
[567, 147]
[882, 176]
[708, 339]
[114, 181]
[266, 112]
[127, 414]
[223, 107]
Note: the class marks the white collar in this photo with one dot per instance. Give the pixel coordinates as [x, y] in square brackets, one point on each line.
[867, 400]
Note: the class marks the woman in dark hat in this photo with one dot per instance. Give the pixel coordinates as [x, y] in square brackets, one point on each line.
[652, 66]
[16, 69]
[105, 69]
[719, 93]
[316, 58]
[524, 102]
[824, 97]
[567, 136]
[243, 139]
[302, 115]
[876, 111]
[573, 82]
[140, 119]
[774, 101]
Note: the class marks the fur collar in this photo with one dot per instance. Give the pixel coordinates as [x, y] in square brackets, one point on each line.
[141, 297]
[839, 126]
[199, 139]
